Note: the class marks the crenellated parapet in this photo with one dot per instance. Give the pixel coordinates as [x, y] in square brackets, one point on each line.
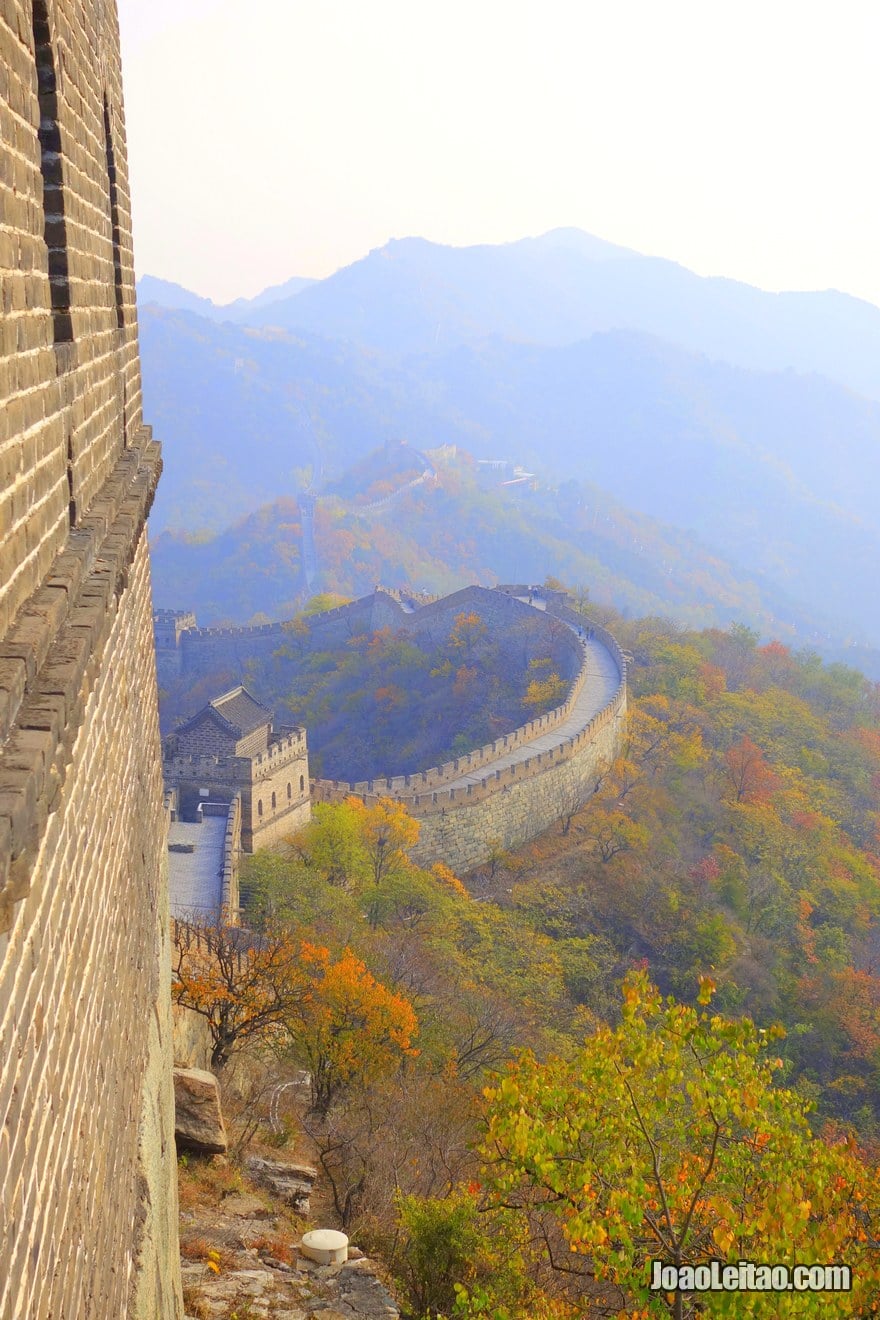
[507, 790]
[513, 788]
[271, 784]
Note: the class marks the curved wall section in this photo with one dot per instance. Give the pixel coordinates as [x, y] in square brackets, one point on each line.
[511, 790]
[464, 830]
[505, 792]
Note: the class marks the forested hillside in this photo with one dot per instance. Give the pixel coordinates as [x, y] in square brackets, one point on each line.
[739, 837]
[730, 857]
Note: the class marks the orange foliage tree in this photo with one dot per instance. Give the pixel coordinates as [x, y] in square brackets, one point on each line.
[750, 777]
[244, 986]
[347, 1028]
[468, 630]
[278, 989]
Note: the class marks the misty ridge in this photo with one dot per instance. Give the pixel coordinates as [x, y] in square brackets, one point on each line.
[742, 424]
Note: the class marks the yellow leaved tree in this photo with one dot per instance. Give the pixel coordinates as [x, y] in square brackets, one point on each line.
[666, 1139]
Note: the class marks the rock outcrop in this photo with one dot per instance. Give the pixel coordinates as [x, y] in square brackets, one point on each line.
[198, 1119]
[291, 1183]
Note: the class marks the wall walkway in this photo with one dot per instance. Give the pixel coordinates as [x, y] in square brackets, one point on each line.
[510, 790]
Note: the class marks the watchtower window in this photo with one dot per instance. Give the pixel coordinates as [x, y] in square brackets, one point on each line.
[289, 792]
[114, 217]
[54, 221]
[260, 807]
[273, 802]
[302, 783]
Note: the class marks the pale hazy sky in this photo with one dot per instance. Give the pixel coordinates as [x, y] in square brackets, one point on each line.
[270, 138]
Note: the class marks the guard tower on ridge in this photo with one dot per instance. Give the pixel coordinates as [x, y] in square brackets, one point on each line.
[230, 747]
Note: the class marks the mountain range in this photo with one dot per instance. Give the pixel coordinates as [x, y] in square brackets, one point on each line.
[705, 405]
[164, 293]
[413, 296]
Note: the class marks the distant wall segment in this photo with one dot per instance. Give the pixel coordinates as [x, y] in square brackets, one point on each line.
[512, 789]
[505, 792]
[193, 652]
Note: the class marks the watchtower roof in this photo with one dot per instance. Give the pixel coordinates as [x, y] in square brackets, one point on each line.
[239, 712]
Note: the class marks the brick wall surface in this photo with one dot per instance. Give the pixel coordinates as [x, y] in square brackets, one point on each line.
[85, 1113]
[252, 743]
[463, 832]
[87, 1199]
[206, 738]
[289, 814]
[69, 406]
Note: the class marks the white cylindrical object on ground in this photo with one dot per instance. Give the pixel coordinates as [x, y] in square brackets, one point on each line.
[326, 1246]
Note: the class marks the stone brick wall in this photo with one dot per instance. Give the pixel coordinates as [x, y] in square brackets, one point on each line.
[285, 766]
[231, 894]
[506, 807]
[254, 743]
[70, 403]
[168, 628]
[206, 738]
[461, 831]
[87, 1173]
[87, 1178]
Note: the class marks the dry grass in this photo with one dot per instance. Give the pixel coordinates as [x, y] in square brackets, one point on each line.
[216, 1254]
[193, 1302]
[278, 1245]
[203, 1181]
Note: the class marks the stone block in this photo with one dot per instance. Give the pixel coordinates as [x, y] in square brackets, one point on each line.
[292, 1183]
[198, 1119]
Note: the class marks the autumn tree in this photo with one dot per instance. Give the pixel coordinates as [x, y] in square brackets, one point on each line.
[324, 601]
[332, 842]
[613, 832]
[347, 1027]
[665, 1138]
[749, 776]
[545, 689]
[387, 830]
[468, 631]
[244, 986]
[272, 987]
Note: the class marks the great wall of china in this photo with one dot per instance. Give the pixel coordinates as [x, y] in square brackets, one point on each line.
[501, 794]
[88, 1196]
[87, 1155]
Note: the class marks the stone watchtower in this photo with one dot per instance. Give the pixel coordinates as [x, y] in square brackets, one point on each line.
[229, 747]
[87, 1199]
[168, 628]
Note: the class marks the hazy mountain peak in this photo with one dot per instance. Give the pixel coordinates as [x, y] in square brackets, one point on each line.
[580, 242]
[274, 293]
[174, 297]
[165, 293]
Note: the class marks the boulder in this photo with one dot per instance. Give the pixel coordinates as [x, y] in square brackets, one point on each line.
[292, 1183]
[198, 1121]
